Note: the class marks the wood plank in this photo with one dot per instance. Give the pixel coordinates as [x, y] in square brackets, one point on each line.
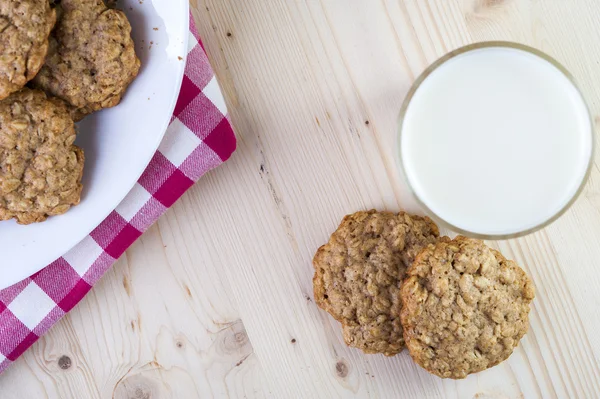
[216, 299]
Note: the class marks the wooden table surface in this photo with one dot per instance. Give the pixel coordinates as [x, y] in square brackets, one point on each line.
[216, 299]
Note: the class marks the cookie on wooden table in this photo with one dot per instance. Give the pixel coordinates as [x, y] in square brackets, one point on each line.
[40, 168]
[24, 29]
[92, 58]
[465, 307]
[358, 275]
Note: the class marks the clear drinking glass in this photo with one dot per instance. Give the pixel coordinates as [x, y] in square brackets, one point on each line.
[440, 219]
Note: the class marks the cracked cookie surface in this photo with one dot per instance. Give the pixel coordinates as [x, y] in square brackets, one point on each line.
[465, 307]
[92, 59]
[40, 168]
[358, 275]
[24, 29]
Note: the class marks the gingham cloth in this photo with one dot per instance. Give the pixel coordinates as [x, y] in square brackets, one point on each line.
[198, 139]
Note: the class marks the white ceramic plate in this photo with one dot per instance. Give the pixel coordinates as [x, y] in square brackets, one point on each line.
[118, 142]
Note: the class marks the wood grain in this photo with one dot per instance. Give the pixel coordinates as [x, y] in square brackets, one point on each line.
[216, 299]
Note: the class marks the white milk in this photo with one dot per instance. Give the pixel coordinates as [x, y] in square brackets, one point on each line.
[496, 141]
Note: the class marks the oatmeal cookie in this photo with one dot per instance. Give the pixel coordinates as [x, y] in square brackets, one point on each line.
[24, 29]
[465, 307]
[358, 275]
[92, 57]
[40, 168]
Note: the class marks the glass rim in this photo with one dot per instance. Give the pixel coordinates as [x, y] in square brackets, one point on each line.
[434, 66]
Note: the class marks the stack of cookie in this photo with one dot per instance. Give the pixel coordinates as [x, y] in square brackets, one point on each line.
[458, 306]
[78, 57]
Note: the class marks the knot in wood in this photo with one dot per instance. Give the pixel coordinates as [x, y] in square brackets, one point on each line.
[235, 338]
[142, 393]
[64, 362]
[341, 369]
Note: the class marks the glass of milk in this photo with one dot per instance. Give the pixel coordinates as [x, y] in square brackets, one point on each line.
[495, 140]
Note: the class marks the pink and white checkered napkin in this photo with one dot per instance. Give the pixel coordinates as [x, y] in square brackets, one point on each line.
[198, 139]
